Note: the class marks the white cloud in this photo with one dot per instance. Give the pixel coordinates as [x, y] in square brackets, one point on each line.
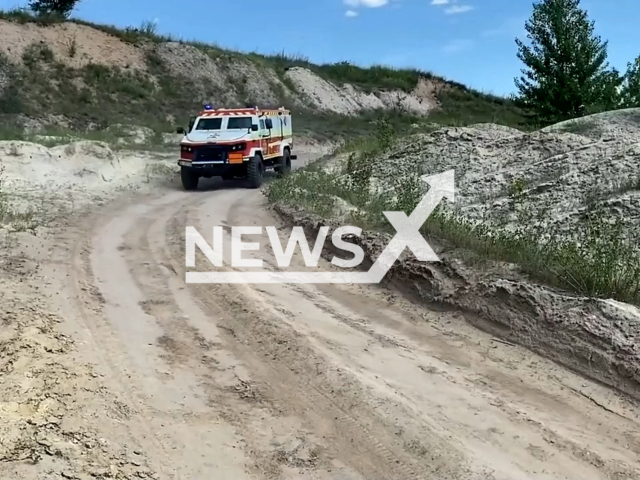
[439, 2]
[365, 3]
[355, 4]
[454, 9]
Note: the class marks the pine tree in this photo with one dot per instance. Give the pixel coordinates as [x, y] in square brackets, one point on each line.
[53, 7]
[631, 86]
[566, 74]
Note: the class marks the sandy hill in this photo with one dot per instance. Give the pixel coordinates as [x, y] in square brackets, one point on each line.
[77, 74]
[549, 180]
[562, 202]
[548, 183]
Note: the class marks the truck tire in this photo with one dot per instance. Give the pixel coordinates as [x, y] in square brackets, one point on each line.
[189, 178]
[285, 164]
[255, 170]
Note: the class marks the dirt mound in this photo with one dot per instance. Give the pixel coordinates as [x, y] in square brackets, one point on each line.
[349, 100]
[420, 101]
[189, 62]
[72, 44]
[558, 177]
[497, 130]
[223, 79]
[257, 85]
[619, 124]
[132, 134]
[46, 182]
[82, 163]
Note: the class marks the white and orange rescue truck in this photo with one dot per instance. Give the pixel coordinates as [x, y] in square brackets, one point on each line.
[230, 143]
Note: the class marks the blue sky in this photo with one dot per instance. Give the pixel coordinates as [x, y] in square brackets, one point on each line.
[470, 41]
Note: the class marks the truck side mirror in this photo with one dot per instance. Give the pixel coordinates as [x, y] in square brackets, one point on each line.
[269, 123]
[254, 128]
[181, 131]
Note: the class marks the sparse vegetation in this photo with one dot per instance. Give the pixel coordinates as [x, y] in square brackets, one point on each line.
[598, 194]
[94, 96]
[10, 130]
[460, 107]
[51, 137]
[100, 96]
[133, 95]
[598, 261]
[149, 28]
[72, 46]
[582, 127]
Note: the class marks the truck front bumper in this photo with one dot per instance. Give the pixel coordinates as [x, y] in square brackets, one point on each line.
[215, 169]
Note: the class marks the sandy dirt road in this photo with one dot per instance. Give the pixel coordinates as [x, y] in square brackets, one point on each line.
[291, 381]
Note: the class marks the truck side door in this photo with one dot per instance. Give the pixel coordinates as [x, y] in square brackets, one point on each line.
[264, 137]
[281, 120]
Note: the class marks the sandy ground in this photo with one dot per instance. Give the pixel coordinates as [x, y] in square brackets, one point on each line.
[113, 367]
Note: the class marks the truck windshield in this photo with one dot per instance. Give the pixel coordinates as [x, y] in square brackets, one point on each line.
[209, 124]
[239, 123]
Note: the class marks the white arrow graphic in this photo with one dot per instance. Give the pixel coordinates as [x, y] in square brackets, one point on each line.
[408, 228]
[407, 235]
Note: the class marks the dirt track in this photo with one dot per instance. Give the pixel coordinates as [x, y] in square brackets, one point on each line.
[169, 380]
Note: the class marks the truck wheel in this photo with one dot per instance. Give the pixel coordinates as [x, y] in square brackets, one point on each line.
[285, 164]
[255, 170]
[189, 178]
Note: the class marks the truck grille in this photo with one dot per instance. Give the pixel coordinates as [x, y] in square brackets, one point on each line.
[212, 153]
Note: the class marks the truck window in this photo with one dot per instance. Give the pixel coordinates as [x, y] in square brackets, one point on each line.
[209, 124]
[239, 123]
[262, 127]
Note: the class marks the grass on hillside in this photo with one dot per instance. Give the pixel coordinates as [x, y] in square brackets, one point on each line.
[584, 127]
[95, 97]
[117, 139]
[367, 78]
[460, 105]
[599, 262]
